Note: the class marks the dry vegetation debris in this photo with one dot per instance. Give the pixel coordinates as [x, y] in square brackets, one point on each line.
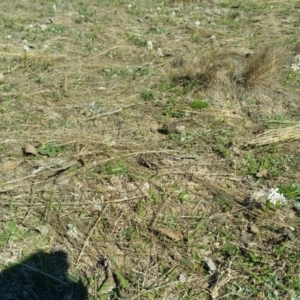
[143, 141]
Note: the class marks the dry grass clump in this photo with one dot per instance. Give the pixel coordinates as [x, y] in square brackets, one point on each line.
[258, 70]
[201, 74]
[202, 80]
[263, 66]
[274, 136]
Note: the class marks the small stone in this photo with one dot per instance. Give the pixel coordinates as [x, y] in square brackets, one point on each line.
[169, 128]
[43, 26]
[182, 278]
[218, 218]
[210, 264]
[180, 128]
[42, 229]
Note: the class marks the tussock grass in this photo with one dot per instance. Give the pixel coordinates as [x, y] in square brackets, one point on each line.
[263, 66]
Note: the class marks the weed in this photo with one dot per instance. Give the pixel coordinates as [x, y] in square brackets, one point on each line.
[198, 104]
[290, 191]
[222, 149]
[273, 163]
[184, 197]
[114, 169]
[223, 202]
[12, 233]
[148, 95]
[293, 75]
[51, 150]
[223, 142]
[137, 40]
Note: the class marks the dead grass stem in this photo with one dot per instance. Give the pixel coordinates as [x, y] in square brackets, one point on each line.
[263, 66]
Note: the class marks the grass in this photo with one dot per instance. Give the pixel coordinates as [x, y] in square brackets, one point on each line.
[147, 169]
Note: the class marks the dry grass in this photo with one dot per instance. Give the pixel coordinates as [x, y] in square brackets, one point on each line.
[263, 66]
[282, 135]
[260, 69]
[137, 213]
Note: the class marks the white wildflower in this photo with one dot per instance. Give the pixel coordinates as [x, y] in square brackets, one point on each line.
[296, 63]
[72, 231]
[197, 23]
[295, 68]
[149, 45]
[113, 143]
[159, 52]
[173, 14]
[297, 58]
[275, 197]
[212, 38]
[25, 45]
[47, 45]
[54, 7]
[8, 37]
[129, 6]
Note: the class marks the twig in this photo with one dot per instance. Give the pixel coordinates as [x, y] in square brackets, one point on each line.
[161, 207]
[40, 272]
[89, 236]
[107, 114]
[163, 287]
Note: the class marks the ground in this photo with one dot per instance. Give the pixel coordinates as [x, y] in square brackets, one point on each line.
[152, 148]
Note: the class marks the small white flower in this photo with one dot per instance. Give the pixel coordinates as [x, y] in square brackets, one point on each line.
[8, 37]
[173, 14]
[158, 8]
[275, 197]
[54, 7]
[46, 46]
[149, 45]
[296, 64]
[295, 68]
[72, 231]
[129, 6]
[25, 45]
[212, 38]
[159, 52]
[197, 23]
[297, 57]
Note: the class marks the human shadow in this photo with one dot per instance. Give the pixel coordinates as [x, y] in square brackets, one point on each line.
[41, 276]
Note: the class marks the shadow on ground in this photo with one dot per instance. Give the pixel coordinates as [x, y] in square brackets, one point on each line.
[41, 276]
